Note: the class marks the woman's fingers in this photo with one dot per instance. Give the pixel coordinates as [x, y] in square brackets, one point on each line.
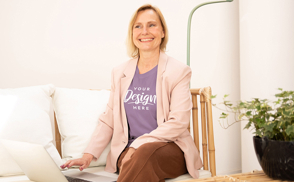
[65, 164]
[83, 162]
[75, 162]
[86, 160]
[84, 165]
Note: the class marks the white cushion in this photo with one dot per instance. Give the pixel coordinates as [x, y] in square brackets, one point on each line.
[77, 112]
[24, 116]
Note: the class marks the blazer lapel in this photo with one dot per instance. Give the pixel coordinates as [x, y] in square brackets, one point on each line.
[125, 84]
[159, 87]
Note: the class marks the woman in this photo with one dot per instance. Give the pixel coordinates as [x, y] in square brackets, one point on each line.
[148, 112]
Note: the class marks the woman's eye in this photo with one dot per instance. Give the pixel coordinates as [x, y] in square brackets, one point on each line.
[137, 26]
[152, 25]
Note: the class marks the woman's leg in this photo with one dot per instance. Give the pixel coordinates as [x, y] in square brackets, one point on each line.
[153, 162]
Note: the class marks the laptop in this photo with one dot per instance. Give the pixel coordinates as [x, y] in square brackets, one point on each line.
[38, 166]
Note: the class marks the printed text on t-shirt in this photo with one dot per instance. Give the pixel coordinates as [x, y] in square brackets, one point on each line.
[142, 98]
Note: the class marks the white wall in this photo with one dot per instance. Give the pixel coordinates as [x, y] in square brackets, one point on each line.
[75, 44]
[266, 57]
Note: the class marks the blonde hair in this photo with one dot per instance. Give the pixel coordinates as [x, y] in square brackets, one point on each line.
[133, 51]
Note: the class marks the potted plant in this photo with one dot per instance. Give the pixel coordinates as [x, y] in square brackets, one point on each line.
[273, 125]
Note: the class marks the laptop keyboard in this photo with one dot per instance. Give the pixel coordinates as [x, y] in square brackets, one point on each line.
[70, 179]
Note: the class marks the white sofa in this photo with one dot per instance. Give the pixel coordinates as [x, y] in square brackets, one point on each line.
[26, 114]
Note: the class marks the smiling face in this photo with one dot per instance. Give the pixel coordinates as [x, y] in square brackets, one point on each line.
[147, 31]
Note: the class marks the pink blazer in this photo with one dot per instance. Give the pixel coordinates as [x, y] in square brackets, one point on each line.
[173, 114]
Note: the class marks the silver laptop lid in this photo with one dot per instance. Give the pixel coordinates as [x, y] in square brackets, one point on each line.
[34, 160]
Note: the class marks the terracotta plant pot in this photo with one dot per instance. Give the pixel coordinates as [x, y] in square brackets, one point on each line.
[275, 157]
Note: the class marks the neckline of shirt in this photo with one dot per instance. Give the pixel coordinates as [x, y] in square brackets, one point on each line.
[148, 73]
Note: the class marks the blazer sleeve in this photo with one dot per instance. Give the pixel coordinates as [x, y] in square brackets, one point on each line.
[179, 113]
[104, 130]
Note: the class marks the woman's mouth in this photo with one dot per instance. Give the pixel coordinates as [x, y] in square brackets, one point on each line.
[146, 40]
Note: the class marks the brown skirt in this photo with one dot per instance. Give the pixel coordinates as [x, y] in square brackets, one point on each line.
[152, 162]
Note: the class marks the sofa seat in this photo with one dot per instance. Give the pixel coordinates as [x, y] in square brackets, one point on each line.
[100, 171]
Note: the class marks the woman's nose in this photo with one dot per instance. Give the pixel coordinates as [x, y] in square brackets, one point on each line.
[144, 31]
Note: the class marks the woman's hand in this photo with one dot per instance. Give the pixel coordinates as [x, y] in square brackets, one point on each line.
[83, 162]
[127, 157]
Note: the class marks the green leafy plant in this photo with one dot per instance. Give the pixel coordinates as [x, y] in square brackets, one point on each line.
[272, 119]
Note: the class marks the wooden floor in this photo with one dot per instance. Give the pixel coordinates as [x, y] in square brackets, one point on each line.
[256, 176]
